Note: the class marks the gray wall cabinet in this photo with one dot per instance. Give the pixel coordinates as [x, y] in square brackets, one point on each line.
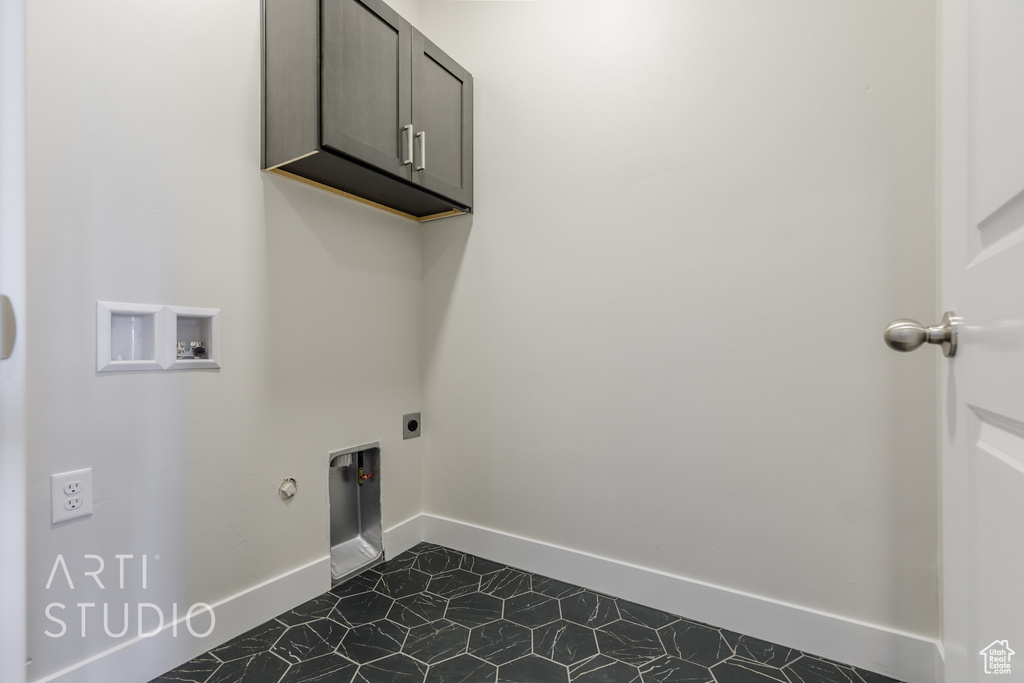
[359, 102]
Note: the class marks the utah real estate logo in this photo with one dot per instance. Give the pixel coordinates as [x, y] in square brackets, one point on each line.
[997, 657]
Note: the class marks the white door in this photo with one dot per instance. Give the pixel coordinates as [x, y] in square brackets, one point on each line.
[982, 401]
[12, 369]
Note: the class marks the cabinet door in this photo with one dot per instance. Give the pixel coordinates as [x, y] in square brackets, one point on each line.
[365, 83]
[442, 112]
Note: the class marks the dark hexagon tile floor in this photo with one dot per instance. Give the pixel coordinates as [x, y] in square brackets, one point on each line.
[436, 615]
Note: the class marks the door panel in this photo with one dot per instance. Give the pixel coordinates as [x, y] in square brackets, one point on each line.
[997, 536]
[982, 214]
[997, 136]
[439, 111]
[443, 109]
[365, 77]
[998, 104]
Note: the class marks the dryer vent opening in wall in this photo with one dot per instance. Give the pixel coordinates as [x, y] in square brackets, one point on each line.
[354, 491]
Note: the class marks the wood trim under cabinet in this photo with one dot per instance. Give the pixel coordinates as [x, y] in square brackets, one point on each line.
[368, 202]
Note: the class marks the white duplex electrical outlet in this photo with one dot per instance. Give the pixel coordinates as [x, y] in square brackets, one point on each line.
[71, 495]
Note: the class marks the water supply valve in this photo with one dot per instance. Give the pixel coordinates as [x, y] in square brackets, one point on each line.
[288, 488]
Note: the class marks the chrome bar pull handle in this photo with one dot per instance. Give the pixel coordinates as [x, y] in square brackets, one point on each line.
[422, 137]
[408, 144]
[906, 334]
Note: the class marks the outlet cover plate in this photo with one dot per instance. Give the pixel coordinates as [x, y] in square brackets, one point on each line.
[411, 425]
[81, 482]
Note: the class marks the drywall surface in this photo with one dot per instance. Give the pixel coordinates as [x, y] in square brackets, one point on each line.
[658, 339]
[13, 454]
[410, 9]
[144, 187]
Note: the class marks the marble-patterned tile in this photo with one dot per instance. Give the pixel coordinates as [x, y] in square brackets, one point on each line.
[695, 642]
[439, 561]
[437, 641]
[872, 677]
[763, 652]
[357, 584]
[564, 642]
[674, 670]
[809, 669]
[402, 583]
[425, 547]
[331, 631]
[193, 671]
[479, 565]
[308, 641]
[499, 642]
[602, 669]
[362, 608]
[394, 669]
[332, 668]
[454, 583]
[629, 642]
[418, 609]
[259, 639]
[474, 609]
[645, 616]
[533, 669]
[589, 609]
[732, 639]
[738, 670]
[260, 668]
[406, 560]
[479, 621]
[552, 587]
[317, 608]
[373, 641]
[531, 609]
[505, 583]
[462, 669]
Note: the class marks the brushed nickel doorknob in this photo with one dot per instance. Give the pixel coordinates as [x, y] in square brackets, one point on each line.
[8, 328]
[906, 334]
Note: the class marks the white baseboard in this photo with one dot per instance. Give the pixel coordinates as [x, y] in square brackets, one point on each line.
[142, 659]
[904, 656]
[403, 536]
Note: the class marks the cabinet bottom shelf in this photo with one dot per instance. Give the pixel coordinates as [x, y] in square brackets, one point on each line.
[329, 172]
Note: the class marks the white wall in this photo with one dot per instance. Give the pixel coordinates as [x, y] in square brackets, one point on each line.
[144, 187]
[659, 337]
[13, 456]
